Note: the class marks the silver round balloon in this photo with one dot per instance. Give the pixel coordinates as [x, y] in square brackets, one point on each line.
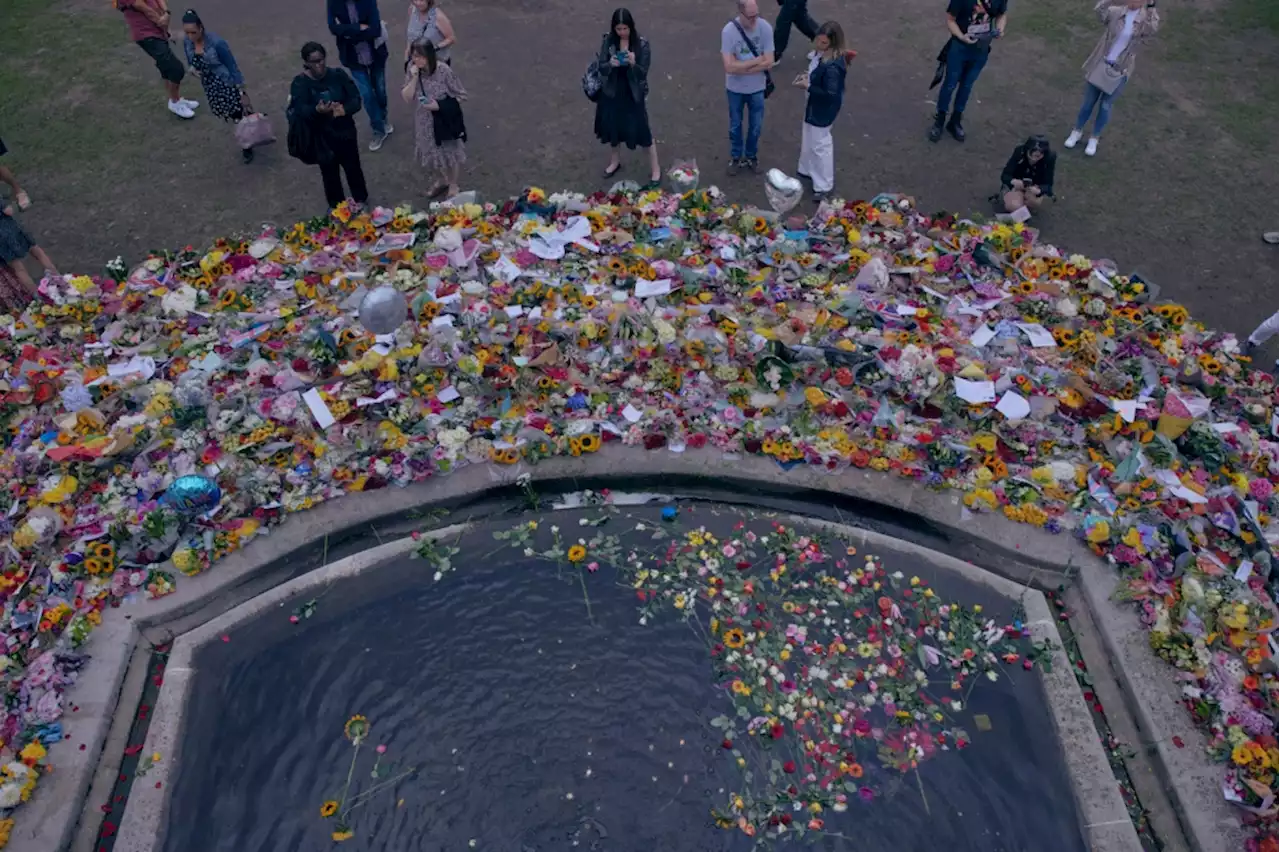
[784, 192]
[383, 310]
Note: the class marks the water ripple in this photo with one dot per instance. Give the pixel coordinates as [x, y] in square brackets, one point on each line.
[533, 729]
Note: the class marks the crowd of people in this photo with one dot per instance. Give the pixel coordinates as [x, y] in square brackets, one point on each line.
[324, 100]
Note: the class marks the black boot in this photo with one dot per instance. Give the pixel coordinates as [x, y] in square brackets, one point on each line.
[955, 127]
[935, 132]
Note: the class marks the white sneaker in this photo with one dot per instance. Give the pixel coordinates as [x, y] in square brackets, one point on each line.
[389, 129]
[1072, 139]
[190, 103]
[376, 142]
[181, 110]
[1091, 147]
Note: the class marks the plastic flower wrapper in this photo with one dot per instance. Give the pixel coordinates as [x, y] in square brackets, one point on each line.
[682, 177]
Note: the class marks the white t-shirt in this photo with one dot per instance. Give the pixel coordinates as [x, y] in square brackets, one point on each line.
[1126, 35]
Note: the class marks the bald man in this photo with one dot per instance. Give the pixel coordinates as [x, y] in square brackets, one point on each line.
[746, 49]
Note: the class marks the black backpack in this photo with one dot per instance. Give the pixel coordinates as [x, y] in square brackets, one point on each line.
[307, 143]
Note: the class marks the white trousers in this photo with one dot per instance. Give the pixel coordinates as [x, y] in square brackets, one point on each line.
[1266, 331]
[818, 157]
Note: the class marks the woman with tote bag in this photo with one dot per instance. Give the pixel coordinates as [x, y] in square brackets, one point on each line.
[1128, 23]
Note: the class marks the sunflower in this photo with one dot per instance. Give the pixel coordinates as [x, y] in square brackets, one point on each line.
[589, 301]
[328, 809]
[430, 311]
[575, 446]
[590, 443]
[1211, 365]
[577, 553]
[509, 455]
[760, 225]
[103, 550]
[227, 299]
[616, 265]
[1024, 288]
[356, 729]
[735, 638]
[93, 565]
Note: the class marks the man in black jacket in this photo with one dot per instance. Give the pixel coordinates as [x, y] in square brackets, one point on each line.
[325, 99]
[362, 49]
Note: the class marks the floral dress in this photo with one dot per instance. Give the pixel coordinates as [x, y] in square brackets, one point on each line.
[443, 83]
[223, 97]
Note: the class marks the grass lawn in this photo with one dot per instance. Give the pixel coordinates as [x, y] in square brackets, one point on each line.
[1184, 184]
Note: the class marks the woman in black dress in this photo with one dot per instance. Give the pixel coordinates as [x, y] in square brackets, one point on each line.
[621, 117]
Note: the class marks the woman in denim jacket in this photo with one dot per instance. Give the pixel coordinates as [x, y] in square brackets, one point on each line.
[211, 60]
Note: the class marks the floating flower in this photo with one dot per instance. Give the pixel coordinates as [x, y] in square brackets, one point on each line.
[329, 808]
[356, 729]
[734, 638]
[576, 553]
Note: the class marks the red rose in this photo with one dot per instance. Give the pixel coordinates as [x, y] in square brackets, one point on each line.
[789, 766]
[776, 731]
[654, 442]
[726, 744]
[752, 445]
[697, 441]
[785, 819]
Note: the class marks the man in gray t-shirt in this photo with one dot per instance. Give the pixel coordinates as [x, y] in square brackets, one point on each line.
[746, 48]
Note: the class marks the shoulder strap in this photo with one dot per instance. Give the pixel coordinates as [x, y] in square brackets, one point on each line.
[750, 46]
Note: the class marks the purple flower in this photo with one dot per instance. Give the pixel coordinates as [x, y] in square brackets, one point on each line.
[866, 794]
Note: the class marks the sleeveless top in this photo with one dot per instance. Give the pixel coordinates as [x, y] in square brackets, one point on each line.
[424, 27]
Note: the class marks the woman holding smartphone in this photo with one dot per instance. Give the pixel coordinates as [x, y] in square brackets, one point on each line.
[621, 116]
[436, 89]
[1128, 24]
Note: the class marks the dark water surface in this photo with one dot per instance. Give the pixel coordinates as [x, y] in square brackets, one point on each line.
[535, 729]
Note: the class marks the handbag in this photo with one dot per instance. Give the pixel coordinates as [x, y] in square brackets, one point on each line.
[768, 78]
[254, 130]
[592, 81]
[1105, 77]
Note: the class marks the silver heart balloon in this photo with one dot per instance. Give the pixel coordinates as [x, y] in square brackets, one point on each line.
[784, 192]
[383, 310]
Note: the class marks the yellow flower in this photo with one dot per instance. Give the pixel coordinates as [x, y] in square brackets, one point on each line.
[1241, 754]
[328, 809]
[815, 397]
[356, 729]
[734, 638]
[344, 834]
[577, 553]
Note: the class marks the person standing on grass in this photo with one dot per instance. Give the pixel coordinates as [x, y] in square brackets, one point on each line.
[828, 66]
[211, 59]
[431, 84]
[428, 22]
[148, 22]
[362, 49]
[746, 50]
[6, 175]
[793, 13]
[14, 246]
[325, 99]
[621, 115]
[973, 25]
[1128, 24]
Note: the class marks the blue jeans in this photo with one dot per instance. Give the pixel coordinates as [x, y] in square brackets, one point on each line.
[1093, 95]
[371, 80]
[964, 63]
[754, 105]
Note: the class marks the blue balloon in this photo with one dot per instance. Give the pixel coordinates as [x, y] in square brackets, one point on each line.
[192, 494]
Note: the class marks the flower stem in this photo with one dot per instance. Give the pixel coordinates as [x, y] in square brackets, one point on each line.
[351, 771]
[582, 580]
[920, 785]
